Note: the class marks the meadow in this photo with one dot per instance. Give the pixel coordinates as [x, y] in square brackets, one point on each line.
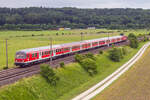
[18, 40]
[73, 80]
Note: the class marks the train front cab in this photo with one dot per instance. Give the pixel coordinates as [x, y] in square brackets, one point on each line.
[20, 59]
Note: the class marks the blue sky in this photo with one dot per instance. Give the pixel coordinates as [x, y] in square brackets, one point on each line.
[77, 3]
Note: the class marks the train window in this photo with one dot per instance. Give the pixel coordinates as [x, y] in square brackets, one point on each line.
[94, 43]
[50, 52]
[75, 47]
[35, 54]
[102, 42]
[66, 49]
[46, 52]
[84, 45]
[58, 50]
[20, 55]
[28, 56]
[42, 53]
[32, 55]
[88, 44]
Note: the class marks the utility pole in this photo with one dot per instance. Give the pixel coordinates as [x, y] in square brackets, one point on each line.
[6, 55]
[81, 36]
[108, 38]
[50, 51]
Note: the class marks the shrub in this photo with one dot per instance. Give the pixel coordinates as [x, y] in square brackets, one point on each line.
[79, 57]
[100, 52]
[62, 64]
[48, 73]
[121, 34]
[146, 39]
[90, 55]
[134, 43]
[5, 68]
[115, 54]
[89, 66]
[124, 51]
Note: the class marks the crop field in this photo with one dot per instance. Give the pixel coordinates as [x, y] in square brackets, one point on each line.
[73, 80]
[18, 40]
[133, 85]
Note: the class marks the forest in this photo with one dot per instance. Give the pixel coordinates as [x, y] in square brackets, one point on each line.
[39, 18]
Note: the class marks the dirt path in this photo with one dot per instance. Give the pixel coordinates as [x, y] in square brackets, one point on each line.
[133, 85]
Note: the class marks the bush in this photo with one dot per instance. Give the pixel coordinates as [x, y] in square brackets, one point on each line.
[124, 51]
[134, 43]
[115, 54]
[146, 39]
[79, 57]
[62, 64]
[89, 66]
[5, 68]
[48, 73]
[100, 52]
[90, 55]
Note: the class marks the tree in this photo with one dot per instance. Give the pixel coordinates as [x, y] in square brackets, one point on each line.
[48, 73]
[133, 40]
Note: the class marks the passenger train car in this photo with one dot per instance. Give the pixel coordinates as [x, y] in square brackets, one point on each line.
[35, 55]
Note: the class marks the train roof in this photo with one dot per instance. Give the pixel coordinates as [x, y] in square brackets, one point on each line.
[65, 45]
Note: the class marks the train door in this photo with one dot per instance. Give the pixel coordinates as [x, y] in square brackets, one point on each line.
[40, 54]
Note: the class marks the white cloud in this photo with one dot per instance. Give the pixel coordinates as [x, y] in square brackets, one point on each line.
[77, 3]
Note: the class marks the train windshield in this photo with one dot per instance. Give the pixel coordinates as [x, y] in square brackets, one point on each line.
[20, 55]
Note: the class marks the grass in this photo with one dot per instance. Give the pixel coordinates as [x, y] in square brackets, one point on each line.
[73, 80]
[132, 85]
[18, 40]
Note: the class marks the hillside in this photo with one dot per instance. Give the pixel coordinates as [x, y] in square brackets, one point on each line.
[73, 80]
[133, 85]
[52, 18]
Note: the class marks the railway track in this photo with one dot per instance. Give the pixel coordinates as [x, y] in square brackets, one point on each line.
[12, 75]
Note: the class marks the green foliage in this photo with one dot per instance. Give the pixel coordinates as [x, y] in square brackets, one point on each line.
[38, 18]
[90, 55]
[62, 64]
[100, 52]
[132, 36]
[79, 57]
[48, 73]
[5, 68]
[116, 54]
[133, 40]
[72, 81]
[89, 66]
[134, 43]
[146, 38]
[124, 51]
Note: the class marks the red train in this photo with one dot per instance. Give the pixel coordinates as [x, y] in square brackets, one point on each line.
[35, 55]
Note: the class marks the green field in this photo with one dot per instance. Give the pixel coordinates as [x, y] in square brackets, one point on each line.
[18, 40]
[73, 80]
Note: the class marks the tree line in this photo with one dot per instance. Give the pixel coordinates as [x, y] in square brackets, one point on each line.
[39, 18]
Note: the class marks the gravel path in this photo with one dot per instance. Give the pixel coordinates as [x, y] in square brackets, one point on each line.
[133, 85]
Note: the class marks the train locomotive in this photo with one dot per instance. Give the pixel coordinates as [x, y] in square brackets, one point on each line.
[35, 55]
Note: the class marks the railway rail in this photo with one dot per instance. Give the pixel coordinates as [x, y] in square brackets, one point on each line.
[12, 75]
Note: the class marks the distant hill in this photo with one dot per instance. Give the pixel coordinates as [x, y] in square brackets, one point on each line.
[51, 18]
